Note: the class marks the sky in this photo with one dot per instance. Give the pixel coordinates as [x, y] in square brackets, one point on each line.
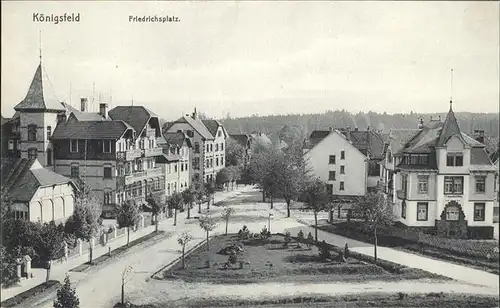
[244, 58]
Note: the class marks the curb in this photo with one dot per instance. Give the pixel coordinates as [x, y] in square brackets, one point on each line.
[154, 276]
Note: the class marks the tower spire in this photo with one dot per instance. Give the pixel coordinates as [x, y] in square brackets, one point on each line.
[40, 44]
[451, 88]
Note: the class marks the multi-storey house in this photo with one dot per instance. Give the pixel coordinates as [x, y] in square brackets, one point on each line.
[208, 139]
[177, 148]
[441, 180]
[35, 193]
[245, 141]
[345, 161]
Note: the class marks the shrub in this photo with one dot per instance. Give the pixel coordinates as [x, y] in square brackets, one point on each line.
[288, 239]
[310, 240]
[300, 236]
[402, 296]
[264, 233]
[233, 258]
[324, 252]
[66, 296]
[243, 233]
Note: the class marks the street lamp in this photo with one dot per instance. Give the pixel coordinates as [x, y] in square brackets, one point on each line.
[125, 275]
[269, 222]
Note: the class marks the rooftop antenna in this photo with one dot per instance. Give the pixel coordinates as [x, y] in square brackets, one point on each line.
[132, 99]
[93, 95]
[70, 94]
[451, 88]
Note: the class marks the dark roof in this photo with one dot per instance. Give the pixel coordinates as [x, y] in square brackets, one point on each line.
[136, 116]
[197, 125]
[175, 138]
[241, 139]
[37, 97]
[495, 156]
[450, 129]
[21, 179]
[91, 130]
[478, 156]
[84, 116]
[260, 139]
[212, 126]
[315, 138]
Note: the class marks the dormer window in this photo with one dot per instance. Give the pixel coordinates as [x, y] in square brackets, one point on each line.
[454, 160]
[219, 134]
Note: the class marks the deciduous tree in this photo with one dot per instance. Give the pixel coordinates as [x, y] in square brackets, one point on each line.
[223, 177]
[183, 240]
[50, 244]
[378, 211]
[175, 203]
[226, 215]
[235, 153]
[188, 197]
[316, 199]
[209, 192]
[128, 215]
[66, 296]
[156, 204]
[207, 223]
[9, 268]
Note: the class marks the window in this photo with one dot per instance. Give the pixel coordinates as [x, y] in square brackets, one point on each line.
[454, 159]
[75, 171]
[341, 186]
[422, 211]
[423, 183]
[106, 146]
[404, 182]
[480, 184]
[329, 189]
[32, 132]
[211, 147]
[342, 169]
[479, 211]
[389, 157]
[331, 160]
[453, 185]
[32, 153]
[217, 161]
[73, 145]
[342, 155]
[107, 172]
[222, 146]
[182, 167]
[219, 133]
[107, 197]
[216, 147]
[175, 168]
[403, 210]
[49, 131]
[452, 213]
[197, 147]
[11, 144]
[331, 176]
[196, 163]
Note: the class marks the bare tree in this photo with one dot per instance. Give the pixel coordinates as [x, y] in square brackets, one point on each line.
[226, 214]
[207, 223]
[183, 240]
[378, 211]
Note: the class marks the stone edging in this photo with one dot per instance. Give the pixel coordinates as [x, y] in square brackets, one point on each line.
[163, 268]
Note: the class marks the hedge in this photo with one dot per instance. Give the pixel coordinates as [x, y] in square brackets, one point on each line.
[21, 298]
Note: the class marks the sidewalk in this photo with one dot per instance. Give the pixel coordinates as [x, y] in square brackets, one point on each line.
[59, 269]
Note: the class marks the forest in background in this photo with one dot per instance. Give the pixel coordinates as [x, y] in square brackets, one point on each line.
[303, 124]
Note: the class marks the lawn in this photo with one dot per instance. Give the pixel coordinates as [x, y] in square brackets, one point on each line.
[345, 301]
[268, 260]
[480, 254]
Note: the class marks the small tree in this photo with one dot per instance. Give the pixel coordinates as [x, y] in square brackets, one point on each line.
[377, 210]
[309, 240]
[288, 239]
[226, 214]
[316, 198]
[324, 252]
[175, 203]
[154, 201]
[66, 296]
[85, 222]
[9, 268]
[128, 215]
[183, 240]
[50, 244]
[209, 192]
[188, 197]
[199, 195]
[207, 223]
[235, 153]
[223, 177]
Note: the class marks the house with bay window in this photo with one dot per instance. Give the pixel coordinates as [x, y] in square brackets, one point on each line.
[441, 180]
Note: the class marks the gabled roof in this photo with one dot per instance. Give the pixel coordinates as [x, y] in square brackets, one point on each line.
[241, 139]
[315, 138]
[38, 98]
[21, 178]
[211, 125]
[176, 138]
[260, 139]
[399, 137]
[137, 116]
[83, 116]
[197, 125]
[450, 129]
[91, 130]
[478, 156]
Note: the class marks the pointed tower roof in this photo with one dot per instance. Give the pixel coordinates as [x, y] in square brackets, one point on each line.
[37, 97]
[450, 128]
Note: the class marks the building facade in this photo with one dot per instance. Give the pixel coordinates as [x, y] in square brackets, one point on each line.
[441, 180]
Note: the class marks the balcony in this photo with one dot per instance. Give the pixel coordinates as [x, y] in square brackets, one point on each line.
[401, 194]
[150, 132]
[129, 155]
[142, 175]
[154, 172]
[153, 152]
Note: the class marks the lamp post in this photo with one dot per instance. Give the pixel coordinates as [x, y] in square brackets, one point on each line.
[125, 275]
[269, 222]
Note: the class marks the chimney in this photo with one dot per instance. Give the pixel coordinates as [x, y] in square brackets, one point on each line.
[83, 104]
[439, 118]
[103, 110]
[479, 135]
[356, 129]
[330, 129]
[195, 114]
[61, 118]
[420, 123]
